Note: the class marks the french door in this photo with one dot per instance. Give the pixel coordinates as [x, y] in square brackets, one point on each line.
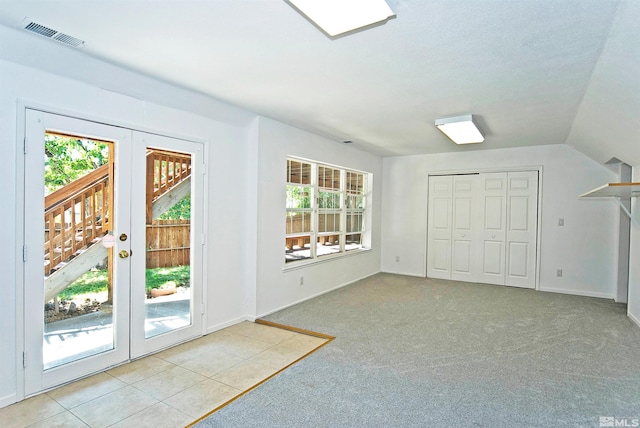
[122, 265]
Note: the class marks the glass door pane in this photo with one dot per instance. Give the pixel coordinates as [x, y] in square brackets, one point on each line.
[168, 242]
[78, 316]
[167, 216]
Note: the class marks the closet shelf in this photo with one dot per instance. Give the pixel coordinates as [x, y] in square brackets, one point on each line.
[618, 190]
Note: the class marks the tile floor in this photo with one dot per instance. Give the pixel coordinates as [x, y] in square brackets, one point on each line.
[172, 388]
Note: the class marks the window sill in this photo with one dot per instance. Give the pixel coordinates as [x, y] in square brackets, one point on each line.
[323, 259]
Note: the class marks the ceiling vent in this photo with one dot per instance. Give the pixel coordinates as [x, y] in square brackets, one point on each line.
[50, 33]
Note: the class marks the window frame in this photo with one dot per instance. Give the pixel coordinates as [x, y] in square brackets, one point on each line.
[339, 248]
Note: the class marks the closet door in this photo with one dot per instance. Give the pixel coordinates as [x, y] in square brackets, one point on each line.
[465, 227]
[439, 227]
[522, 228]
[490, 262]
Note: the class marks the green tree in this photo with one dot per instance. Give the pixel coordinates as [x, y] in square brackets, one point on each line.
[179, 211]
[67, 158]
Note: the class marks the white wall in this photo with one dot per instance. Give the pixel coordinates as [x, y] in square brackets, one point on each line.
[633, 305]
[277, 288]
[584, 248]
[246, 177]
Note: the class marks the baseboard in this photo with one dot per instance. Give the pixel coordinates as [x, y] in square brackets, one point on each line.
[578, 293]
[313, 296]
[8, 400]
[214, 328]
[417, 275]
[633, 318]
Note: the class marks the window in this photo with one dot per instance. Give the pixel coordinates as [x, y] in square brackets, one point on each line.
[325, 205]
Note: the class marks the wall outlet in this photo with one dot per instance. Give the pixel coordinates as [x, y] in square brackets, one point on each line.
[302, 280]
[559, 272]
[397, 259]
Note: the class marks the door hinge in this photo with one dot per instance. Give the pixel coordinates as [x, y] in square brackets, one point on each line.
[204, 239]
[204, 168]
[24, 253]
[26, 145]
[24, 360]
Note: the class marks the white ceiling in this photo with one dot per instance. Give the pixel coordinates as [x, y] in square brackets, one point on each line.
[522, 67]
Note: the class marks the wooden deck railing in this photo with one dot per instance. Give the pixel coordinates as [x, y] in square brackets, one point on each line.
[165, 170]
[75, 216]
[78, 214]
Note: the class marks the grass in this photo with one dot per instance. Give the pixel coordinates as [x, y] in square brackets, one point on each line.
[95, 281]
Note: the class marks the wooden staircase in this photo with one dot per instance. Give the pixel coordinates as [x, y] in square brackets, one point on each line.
[77, 216]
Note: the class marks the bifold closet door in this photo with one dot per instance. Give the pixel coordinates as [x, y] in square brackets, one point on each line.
[522, 229]
[492, 193]
[465, 223]
[440, 216]
[483, 228]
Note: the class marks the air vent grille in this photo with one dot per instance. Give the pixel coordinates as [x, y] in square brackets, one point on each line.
[40, 29]
[70, 40]
[50, 33]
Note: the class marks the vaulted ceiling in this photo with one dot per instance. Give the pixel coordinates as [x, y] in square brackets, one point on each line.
[532, 71]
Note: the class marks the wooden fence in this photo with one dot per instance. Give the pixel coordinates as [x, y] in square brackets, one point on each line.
[168, 243]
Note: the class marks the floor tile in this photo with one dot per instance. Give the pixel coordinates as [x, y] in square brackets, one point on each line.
[138, 370]
[279, 356]
[84, 390]
[61, 420]
[245, 375]
[202, 398]
[159, 415]
[169, 382]
[244, 346]
[269, 334]
[184, 352]
[113, 407]
[29, 411]
[305, 342]
[212, 363]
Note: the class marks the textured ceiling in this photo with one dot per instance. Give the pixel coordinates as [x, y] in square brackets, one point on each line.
[522, 67]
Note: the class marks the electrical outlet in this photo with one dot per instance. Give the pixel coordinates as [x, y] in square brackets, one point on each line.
[397, 259]
[559, 272]
[302, 280]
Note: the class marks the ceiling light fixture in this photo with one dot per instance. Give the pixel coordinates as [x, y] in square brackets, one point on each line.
[336, 17]
[460, 129]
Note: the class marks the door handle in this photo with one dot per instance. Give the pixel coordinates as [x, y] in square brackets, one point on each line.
[123, 254]
[493, 236]
[123, 237]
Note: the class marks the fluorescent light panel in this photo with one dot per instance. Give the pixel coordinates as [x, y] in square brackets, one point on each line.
[460, 129]
[336, 17]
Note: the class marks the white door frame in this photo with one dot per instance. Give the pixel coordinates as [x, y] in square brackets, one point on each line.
[22, 106]
[537, 168]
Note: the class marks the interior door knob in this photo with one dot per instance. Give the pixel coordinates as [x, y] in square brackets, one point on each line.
[493, 236]
[124, 254]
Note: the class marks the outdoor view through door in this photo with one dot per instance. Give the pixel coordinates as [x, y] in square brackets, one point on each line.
[78, 177]
[78, 246]
[168, 242]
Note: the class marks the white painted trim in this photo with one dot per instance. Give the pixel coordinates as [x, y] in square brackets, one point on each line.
[8, 400]
[578, 292]
[46, 108]
[19, 239]
[314, 296]
[415, 275]
[633, 318]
